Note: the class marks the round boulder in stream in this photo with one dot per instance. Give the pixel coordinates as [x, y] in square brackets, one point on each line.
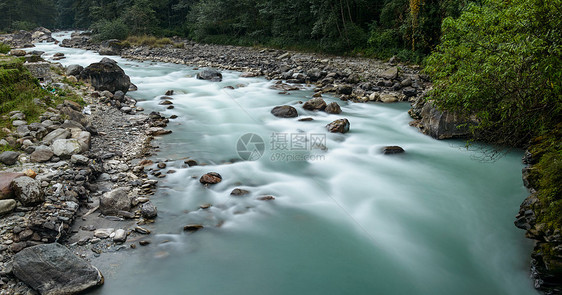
[210, 178]
[210, 75]
[390, 150]
[314, 104]
[339, 126]
[333, 108]
[284, 112]
[106, 75]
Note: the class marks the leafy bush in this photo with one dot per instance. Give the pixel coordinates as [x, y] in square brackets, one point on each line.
[502, 62]
[4, 48]
[105, 30]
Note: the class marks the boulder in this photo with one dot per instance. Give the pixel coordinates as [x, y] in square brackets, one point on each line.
[41, 154]
[110, 47]
[114, 201]
[65, 148]
[27, 190]
[344, 89]
[211, 75]
[79, 160]
[120, 236]
[389, 150]
[284, 112]
[239, 192]
[74, 70]
[388, 98]
[60, 133]
[210, 178]
[52, 269]
[339, 126]
[7, 206]
[106, 75]
[333, 108]
[314, 104]
[442, 124]
[9, 157]
[6, 179]
[148, 210]
[390, 73]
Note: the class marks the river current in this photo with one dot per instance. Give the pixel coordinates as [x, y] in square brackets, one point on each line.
[346, 219]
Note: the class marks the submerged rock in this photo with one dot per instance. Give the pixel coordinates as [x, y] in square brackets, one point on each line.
[52, 269]
[239, 192]
[389, 150]
[210, 75]
[192, 227]
[284, 111]
[339, 126]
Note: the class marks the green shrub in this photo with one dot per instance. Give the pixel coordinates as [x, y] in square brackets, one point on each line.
[105, 30]
[4, 48]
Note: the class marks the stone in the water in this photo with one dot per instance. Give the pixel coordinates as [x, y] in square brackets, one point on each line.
[9, 157]
[27, 190]
[166, 102]
[106, 75]
[190, 162]
[210, 178]
[114, 201]
[239, 192]
[157, 131]
[306, 119]
[205, 206]
[52, 269]
[161, 165]
[192, 227]
[170, 92]
[148, 210]
[266, 198]
[211, 75]
[314, 104]
[389, 150]
[333, 108]
[339, 126]
[144, 242]
[284, 112]
[7, 206]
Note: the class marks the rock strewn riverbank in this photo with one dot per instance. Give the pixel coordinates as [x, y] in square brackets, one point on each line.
[64, 205]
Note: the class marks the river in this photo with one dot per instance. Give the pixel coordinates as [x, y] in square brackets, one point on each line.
[346, 219]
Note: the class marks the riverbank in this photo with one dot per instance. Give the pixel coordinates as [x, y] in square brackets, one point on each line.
[74, 155]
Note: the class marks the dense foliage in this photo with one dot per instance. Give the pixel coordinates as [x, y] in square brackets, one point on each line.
[409, 28]
[502, 62]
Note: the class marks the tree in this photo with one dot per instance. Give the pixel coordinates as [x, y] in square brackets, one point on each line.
[502, 63]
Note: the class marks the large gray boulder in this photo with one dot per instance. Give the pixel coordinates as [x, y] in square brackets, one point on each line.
[52, 269]
[74, 70]
[114, 201]
[9, 157]
[110, 47]
[27, 190]
[65, 148]
[7, 206]
[442, 124]
[211, 75]
[41, 154]
[60, 133]
[106, 75]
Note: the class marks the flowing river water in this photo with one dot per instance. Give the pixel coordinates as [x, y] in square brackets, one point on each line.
[346, 219]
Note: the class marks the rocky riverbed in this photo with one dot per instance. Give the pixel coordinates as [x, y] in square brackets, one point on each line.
[75, 177]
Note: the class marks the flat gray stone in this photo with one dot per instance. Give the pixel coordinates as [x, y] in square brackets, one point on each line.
[52, 269]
